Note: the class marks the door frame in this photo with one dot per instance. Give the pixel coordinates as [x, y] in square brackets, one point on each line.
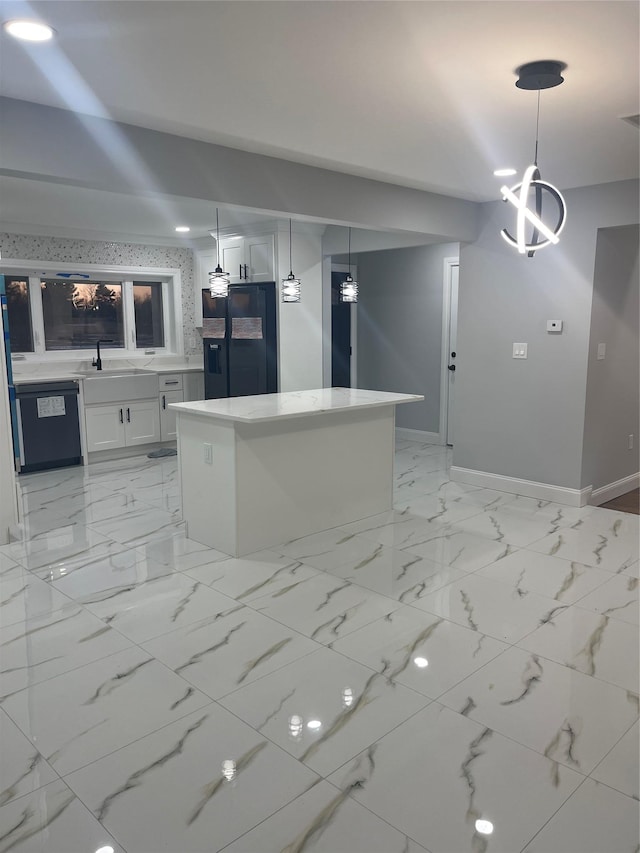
[448, 265]
[354, 321]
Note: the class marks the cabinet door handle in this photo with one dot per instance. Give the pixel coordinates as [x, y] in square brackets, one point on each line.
[121, 418]
[173, 382]
[246, 275]
[240, 274]
[164, 402]
[128, 415]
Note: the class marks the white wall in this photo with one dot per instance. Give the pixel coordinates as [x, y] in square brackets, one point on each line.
[613, 383]
[300, 323]
[400, 327]
[525, 418]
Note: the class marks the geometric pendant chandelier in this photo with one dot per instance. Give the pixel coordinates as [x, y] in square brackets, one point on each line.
[538, 227]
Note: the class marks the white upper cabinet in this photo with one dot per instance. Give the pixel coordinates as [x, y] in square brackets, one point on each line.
[245, 259]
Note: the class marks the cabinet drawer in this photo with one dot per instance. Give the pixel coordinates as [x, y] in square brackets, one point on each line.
[170, 382]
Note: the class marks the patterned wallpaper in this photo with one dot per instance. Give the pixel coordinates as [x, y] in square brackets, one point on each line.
[63, 249]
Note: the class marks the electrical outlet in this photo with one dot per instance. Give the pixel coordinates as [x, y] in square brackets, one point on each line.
[631, 442]
[520, 350]
[602, 351]
[554, 326]
[208, 454]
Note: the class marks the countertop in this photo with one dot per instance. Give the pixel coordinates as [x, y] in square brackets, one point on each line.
[292, 404]
[30, 378]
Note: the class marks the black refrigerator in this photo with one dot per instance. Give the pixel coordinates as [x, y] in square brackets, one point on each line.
[240, 341]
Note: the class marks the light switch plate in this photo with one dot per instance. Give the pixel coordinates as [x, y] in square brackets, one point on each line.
[520, 350]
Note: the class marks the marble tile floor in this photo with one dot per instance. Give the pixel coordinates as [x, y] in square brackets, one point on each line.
[458, 674]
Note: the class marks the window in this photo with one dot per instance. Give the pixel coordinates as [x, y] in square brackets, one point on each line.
[147, 307]
[58, 313]
[19, 310]
[78, 313]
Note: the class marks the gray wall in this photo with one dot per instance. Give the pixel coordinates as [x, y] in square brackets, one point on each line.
[46, 143]
[525, 419]
[400, 327]
[613, 398]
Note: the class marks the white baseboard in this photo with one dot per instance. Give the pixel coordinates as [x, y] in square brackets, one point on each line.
[614, 490]
[527, 488]
[418, 435]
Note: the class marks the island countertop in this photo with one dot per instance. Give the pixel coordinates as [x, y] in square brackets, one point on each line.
[292, 404]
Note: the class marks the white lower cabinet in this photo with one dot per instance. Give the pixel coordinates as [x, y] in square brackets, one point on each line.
[168, 430]
[122, 425]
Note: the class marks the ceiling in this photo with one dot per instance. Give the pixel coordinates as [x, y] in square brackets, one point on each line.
[415, 93]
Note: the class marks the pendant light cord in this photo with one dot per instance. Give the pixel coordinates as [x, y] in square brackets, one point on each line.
[217, 238]
[349, 251]
[290, 255]
[535, 159]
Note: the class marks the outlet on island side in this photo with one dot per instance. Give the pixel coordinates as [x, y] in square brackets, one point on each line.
[631, 442]
[208, 454]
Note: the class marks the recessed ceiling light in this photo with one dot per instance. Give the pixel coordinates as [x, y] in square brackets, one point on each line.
[421, 662]
[504, 173]
[314, 725]
[182, 229]
[29, 30]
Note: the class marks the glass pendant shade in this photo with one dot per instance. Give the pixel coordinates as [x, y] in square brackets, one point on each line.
[290, 284]
[219, 282]
[349, 290]
[291, 288]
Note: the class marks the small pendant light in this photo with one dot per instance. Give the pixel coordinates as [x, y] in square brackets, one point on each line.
[218, 280]
[349, 287]
[290, 284]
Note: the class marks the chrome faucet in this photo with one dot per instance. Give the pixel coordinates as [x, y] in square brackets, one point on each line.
[97, 362]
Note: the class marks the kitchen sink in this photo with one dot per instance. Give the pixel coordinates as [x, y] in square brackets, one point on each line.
[117, 385]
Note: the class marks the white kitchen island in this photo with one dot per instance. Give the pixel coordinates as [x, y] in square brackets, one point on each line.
[259, 471]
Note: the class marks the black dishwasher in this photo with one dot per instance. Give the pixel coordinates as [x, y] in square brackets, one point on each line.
[48, 425]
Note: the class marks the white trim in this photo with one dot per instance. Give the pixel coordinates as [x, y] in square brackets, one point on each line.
[516, 486]
[418, 435]
[448, 264]
[614, 490]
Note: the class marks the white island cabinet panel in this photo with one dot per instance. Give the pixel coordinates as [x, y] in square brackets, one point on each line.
[259, 471]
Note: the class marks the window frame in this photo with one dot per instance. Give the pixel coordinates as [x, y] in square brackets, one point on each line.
[171, 278]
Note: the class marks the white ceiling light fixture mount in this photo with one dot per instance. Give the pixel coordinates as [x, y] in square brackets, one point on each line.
[218, 279]
[29, 30]
[349, 287]
[290, 284]
[535, 76]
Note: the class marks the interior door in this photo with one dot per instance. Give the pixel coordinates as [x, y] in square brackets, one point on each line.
[252, 339]
[340, 335]
[453, 338]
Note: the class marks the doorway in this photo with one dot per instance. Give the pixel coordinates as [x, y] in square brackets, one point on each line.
[341, 349]
[449, 350]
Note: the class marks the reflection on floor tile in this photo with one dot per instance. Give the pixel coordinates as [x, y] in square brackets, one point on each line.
[424, 652]
[379, 654]
[52, 820]
[192, 786]
[324, 708]
[464, 773]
